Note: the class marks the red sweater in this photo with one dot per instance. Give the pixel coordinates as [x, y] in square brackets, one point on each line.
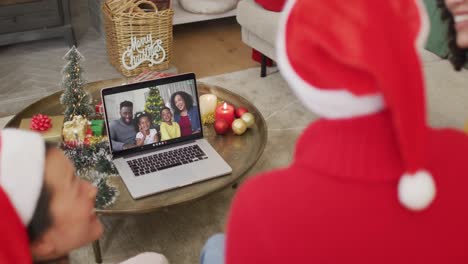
[337, 202]
[14, 244]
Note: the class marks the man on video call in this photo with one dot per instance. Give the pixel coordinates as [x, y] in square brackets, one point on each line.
[122, 131]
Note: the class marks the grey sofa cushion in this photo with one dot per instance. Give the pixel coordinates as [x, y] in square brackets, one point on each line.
[261, 22]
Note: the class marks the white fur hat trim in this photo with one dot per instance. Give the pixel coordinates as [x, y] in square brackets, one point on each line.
[22, 161]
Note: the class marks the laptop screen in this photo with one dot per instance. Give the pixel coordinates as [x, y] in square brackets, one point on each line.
[152, 114]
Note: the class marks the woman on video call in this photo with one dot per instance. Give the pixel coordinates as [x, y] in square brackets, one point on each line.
[185, 114]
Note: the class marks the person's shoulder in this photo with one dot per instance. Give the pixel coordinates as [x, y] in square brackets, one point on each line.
[443, 141]
[193, 109]
[448, 148]
[114, 122]
[139, 135]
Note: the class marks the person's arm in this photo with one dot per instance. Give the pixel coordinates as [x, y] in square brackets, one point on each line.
[156, 138]
[140, 139]
[116, 145]
[195, 120]
[177, 130]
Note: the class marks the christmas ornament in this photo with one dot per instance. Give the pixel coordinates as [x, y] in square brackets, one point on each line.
[221, 126]
[40, 122]
[249, 119]
[226, 112]
[240, 111]
[239, 126]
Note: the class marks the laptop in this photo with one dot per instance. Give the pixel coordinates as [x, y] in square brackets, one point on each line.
[152, 154]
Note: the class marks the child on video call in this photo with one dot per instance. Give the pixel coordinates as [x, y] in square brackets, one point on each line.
[169, 129]
[146, 135]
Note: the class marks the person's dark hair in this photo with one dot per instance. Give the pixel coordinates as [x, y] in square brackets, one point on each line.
[41, 219]
[140, 115]
[164, 108]
[457, 55]
[187, 99]
[126, 104]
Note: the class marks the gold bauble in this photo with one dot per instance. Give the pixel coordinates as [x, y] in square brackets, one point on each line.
[239, 126]
[249, 119]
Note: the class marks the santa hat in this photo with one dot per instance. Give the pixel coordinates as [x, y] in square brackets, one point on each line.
[22, 161]
[346, 60]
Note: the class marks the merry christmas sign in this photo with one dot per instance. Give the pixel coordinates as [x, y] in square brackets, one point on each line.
[143, 49]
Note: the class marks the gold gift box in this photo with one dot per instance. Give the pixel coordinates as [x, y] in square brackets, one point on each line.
[75, 129]
[53, 134]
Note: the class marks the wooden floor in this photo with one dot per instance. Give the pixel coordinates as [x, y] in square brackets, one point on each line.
[211, 48]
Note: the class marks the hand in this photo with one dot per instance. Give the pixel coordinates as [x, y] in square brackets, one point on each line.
[128, 146]
[143, 133]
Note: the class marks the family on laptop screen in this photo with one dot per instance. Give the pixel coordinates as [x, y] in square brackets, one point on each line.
[152, 115]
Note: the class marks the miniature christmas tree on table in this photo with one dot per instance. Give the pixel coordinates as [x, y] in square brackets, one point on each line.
[74, 98]
[154, 104]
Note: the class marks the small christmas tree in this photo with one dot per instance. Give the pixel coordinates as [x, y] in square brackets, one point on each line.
[154, 104]
[74, 98]
[106, 194]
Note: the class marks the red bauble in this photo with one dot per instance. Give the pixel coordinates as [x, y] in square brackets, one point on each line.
[221, 126]
[240, 111]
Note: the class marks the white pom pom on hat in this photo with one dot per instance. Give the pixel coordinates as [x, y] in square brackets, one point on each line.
[22, 163]
[416, 191]
[340, 65]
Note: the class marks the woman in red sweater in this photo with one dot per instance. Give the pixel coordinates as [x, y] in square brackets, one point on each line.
[370, 182]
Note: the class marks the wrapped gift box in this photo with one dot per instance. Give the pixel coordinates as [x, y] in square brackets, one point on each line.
[53, 134]
[75, 129]
[97, 126]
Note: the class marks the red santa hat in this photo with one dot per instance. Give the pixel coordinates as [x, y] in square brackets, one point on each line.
[22, 162]
[355, 58]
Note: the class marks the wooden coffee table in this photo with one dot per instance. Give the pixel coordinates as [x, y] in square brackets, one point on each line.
[241, 152]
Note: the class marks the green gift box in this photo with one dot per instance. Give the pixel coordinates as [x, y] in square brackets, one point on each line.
[97, 126]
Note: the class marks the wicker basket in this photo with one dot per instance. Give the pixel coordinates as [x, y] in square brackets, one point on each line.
[138, 36]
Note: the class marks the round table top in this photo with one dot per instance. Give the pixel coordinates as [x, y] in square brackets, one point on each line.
[240, 152]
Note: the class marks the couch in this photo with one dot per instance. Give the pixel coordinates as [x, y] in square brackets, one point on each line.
[259, 28]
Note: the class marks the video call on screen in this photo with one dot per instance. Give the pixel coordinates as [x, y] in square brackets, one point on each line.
[154, 115]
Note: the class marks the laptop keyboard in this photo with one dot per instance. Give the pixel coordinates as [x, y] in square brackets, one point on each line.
[166, 160]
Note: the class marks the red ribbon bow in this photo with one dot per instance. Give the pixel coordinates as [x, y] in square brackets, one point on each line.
[41, 122]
